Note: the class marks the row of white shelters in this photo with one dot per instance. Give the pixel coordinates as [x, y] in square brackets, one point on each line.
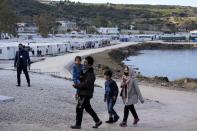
[137, 38]
[50, 46]
[8, 51]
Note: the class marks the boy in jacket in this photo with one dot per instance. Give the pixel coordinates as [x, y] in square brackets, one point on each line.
[111, 94]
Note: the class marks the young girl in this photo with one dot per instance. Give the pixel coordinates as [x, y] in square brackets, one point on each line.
[130, 95]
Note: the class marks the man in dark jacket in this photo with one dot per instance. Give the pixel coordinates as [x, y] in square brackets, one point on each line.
[86, 90]
[22, 61]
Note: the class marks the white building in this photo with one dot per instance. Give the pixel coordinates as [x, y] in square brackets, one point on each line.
[50, 1]
[132, 27]
[64, 26]
[108, 30]
[27, 28]
[193, 33]
[4, 36]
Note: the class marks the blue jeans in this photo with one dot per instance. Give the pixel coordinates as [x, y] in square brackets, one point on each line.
[110, 106]
[77, 82]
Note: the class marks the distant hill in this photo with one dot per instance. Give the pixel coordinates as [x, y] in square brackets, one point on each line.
[144, 17]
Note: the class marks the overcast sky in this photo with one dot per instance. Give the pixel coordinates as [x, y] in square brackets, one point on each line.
[153, 2]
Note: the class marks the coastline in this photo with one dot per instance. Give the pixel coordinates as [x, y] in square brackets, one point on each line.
[65, 61]
[113, 59]
[112, 56]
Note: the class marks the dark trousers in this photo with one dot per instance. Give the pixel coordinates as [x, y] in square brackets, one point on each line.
[19, 71]
[110, 106]
[126, 112]
[84, 103]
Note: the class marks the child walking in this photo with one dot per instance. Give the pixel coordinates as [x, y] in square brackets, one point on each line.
[111, 93]
[76, 71]
[130, 94]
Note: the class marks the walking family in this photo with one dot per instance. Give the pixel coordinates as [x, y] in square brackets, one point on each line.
[84, 79]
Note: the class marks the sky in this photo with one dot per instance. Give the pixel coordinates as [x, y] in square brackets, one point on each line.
[152, 2]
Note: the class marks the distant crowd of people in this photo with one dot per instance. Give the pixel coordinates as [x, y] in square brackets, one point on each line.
[39, 53]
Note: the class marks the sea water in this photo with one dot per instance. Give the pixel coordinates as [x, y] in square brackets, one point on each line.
[174, 64]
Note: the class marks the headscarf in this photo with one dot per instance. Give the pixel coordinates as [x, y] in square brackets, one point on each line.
[131, 72]
[130, 75]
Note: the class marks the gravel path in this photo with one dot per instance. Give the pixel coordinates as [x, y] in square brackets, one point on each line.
[49, 106]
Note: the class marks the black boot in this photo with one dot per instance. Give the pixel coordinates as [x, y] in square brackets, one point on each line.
[75, 127]
[110, 121]
[28, 84]
[116, 118]
[98, 124]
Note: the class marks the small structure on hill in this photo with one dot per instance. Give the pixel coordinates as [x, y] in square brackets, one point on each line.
[108, 30]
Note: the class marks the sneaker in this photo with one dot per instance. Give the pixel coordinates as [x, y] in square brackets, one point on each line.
[75, 127]
[29, 84]
[116, 118]
[98, 124]
[136, 121]
[123, 124]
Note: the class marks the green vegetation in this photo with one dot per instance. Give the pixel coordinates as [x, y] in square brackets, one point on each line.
[143, 17]
[8, 19]
[46, 24]
[187, 83]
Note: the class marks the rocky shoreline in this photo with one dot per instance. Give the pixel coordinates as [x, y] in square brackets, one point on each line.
[113, 59]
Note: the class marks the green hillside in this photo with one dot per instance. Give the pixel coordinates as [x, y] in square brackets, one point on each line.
[144, 17]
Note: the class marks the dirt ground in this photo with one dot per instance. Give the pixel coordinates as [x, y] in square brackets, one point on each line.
[49, 106]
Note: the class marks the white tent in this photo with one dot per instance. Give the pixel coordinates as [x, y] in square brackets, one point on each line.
[3, 53]
[50, 46]
[7, 52]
